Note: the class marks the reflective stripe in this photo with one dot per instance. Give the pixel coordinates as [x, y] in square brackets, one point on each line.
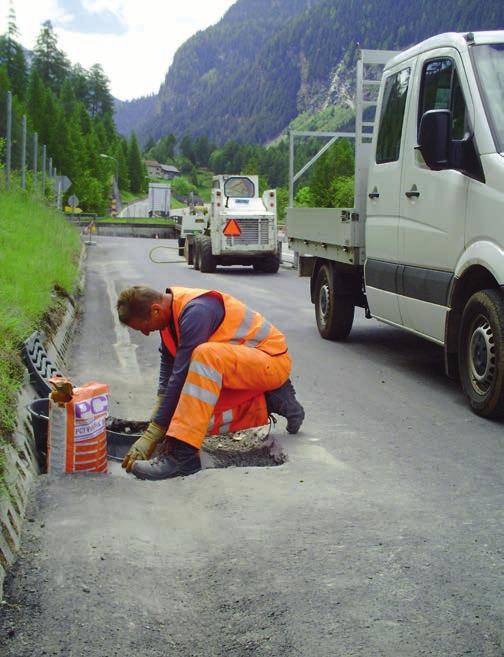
[245, 326]
[227, 418]
[206, 371]
[261, 334]
[211, 422]
[199, 393]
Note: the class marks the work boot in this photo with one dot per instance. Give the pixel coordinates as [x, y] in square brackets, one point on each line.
[282, 401]
[175, 459]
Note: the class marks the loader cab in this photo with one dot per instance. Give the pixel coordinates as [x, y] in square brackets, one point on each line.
[235, 191]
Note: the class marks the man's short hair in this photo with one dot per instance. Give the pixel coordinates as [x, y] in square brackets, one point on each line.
[135, 302]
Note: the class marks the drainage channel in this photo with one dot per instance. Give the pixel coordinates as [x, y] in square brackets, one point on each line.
[249, 448]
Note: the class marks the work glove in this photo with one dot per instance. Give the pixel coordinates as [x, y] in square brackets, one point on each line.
[144, 447]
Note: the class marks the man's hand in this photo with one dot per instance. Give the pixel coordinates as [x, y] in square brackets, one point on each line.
[144, 447]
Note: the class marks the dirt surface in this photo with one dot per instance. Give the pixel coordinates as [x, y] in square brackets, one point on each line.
[251, 447]
[380, 536]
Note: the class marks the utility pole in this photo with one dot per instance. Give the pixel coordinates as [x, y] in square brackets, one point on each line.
[23, 154]
[9, 140]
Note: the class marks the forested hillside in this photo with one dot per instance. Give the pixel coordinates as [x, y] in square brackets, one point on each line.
[264, 63]
[71, 111]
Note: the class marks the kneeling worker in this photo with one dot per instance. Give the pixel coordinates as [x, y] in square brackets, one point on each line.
[224, 367]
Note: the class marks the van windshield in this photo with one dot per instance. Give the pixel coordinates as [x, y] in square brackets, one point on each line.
[489, 60]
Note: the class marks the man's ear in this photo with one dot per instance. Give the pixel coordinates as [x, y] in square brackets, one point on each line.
[155, 310]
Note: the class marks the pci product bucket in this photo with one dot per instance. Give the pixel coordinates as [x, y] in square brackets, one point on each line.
[77, 440]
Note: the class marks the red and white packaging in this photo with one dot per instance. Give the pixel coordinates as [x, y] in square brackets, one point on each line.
[77, 436]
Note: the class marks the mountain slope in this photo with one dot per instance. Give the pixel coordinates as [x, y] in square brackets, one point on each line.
[265, 62]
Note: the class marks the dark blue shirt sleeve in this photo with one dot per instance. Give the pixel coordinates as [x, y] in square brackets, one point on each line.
[199, 320]
[165, 368]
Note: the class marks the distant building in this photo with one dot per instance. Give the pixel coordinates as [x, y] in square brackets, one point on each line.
[157, 170]
[169, 171]
[153, 167]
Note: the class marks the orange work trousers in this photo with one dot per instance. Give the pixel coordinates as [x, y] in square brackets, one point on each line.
[224, 390]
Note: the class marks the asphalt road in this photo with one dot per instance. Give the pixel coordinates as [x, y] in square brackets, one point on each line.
[382, 535]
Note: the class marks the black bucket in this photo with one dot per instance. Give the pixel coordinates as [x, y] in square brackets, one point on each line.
[121, 434]
[39, 416]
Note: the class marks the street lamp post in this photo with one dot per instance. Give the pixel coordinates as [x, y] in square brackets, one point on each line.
[118, 193]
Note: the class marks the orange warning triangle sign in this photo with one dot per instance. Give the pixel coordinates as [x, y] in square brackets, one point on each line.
[231, 229]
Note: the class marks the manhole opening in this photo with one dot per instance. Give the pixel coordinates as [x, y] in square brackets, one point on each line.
[249, 448]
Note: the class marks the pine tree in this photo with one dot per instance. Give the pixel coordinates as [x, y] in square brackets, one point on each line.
[136, 169]
[67, 97]
[122, 159]
[79, 78]
[35, 100]
[49, 61]
[99, 96]
[12, 56]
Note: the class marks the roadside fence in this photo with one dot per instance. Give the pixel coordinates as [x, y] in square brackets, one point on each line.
[25, 162]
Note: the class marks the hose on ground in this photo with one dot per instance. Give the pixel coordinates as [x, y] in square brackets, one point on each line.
[179, 260]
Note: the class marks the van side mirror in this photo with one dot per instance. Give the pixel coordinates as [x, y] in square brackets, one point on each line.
[434, 138]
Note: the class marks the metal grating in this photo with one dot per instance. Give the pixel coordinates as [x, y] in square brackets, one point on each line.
[254, 230]
[39, 364]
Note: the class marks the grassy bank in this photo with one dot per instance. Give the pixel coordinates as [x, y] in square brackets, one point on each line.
[39, 253]
[135, 220]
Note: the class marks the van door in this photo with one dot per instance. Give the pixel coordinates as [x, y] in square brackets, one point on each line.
[432, 203]
[382, 216]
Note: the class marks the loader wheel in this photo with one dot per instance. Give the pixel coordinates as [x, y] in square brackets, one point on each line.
[208, 261]
[268, 265]
[481, 353]
[189, 251]
[334, 312]
[197, 254]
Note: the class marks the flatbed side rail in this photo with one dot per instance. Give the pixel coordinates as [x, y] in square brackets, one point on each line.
[366, 99]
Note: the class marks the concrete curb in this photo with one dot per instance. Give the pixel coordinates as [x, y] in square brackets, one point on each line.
[21, 466]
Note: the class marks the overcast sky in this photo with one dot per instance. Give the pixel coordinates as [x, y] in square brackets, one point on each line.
[134, 40]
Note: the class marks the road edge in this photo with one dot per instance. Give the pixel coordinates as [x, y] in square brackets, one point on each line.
[21, 466]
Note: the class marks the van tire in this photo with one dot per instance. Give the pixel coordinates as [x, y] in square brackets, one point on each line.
[481, 353]
[334, 311]
[207, 261]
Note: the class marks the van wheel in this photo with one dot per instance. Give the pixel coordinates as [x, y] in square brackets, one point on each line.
[334, 312]
[207, 260]
[481, 353]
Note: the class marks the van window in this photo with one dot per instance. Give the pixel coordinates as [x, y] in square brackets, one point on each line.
[388, 144]
[489, 59]
[441, 90]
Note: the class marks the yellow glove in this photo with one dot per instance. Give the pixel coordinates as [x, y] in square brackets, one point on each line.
[144, 447]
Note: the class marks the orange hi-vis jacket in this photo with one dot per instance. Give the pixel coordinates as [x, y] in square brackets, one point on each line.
[240, 325]
[228, 374]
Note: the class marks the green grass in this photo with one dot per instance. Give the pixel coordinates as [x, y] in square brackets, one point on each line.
[135, 220]
[129, 197]
[39, 253]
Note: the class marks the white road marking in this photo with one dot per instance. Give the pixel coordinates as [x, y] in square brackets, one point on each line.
[124, 348]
